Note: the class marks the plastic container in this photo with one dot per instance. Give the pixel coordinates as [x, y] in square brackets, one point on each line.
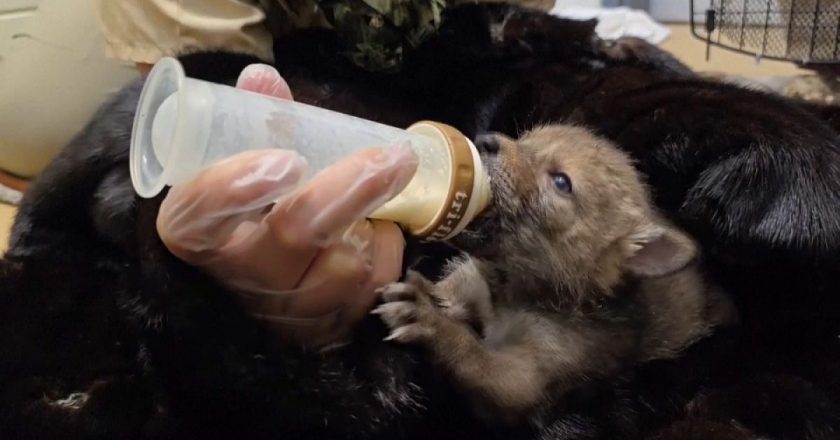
[182, 125]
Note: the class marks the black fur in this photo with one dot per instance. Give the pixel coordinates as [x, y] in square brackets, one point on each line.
[91, 302]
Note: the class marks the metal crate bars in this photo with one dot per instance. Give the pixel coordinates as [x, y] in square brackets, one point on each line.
[802, 31]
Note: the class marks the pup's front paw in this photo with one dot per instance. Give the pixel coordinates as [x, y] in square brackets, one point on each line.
[407, 309]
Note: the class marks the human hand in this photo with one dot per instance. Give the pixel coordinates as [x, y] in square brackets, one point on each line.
[300, 255]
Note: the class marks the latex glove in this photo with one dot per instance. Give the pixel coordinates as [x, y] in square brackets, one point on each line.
[301, 256]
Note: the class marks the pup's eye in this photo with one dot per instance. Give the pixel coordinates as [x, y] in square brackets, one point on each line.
[562, 182]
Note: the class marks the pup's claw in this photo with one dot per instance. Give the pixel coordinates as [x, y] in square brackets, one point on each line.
[443, 303]
[408, 310]
[399, 292]
[409, 333]
[397, 314]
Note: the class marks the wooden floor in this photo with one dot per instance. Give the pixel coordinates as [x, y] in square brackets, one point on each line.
[692, 52]
[681, 43]
[6, 214]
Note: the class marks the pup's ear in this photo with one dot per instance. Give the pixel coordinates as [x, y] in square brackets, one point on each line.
[658, 249]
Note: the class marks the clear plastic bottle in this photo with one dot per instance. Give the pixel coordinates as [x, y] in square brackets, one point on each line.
[183, 125]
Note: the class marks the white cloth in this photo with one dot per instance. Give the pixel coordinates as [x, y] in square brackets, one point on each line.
[618, 22]
[10, 196]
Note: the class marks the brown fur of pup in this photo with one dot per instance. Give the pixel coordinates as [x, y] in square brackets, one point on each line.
[571, 277]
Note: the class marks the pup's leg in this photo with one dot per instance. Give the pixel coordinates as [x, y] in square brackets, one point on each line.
[507, 375]
[499, 384]
[463, 294]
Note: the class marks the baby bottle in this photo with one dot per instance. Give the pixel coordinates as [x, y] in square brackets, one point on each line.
[182, 125]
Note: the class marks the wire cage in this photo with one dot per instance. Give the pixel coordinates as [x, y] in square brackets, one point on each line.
[805, 32]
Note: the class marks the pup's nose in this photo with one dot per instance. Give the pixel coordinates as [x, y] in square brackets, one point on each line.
[487, 143]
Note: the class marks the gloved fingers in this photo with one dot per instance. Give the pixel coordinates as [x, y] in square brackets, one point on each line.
[197, 219]
[325, 308]
[339, 272]
[343, 193]
[272, 270]
[315, 310]
[265, 79]
[387, 260]
[334, 273]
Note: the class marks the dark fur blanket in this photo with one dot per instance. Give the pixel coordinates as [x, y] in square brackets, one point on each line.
[103, 334]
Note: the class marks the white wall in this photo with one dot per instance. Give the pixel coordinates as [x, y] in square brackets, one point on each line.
[14, 16]
[661, 10]
[675, 10]
[586, 3]
[53, 76]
